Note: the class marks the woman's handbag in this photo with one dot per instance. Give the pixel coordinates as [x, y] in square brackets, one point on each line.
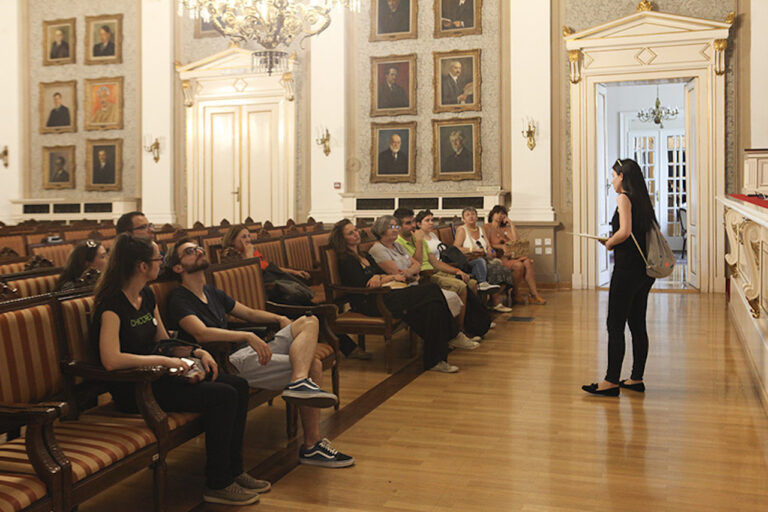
[453, 256]
[183, 350]
[660, 261]
[517, 249]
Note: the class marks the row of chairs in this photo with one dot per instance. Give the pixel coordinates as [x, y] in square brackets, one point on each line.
[73, 450]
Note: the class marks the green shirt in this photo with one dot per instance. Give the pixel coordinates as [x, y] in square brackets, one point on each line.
[411, 248]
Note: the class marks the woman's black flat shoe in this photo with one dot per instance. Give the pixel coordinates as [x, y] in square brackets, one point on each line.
[592, 388]
[639, 387]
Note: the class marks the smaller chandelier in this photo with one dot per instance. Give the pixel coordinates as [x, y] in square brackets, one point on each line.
[658, 114]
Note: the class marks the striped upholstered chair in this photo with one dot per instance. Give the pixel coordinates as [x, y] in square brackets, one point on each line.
[298, 252]
[242, 281]
[31, 283]
[56, 253]
[12, 268]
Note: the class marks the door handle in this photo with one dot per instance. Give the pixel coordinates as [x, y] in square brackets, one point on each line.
[237, 193]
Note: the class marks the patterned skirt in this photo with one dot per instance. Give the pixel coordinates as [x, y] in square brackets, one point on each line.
[498, 273]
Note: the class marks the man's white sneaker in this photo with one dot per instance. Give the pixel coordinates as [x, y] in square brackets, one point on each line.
[501, 308]
[461, 341]
[485, 286]
[476, 339]
[444, 367]
[493, 324]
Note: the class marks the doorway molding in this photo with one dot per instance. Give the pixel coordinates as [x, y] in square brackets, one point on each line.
[650, 45]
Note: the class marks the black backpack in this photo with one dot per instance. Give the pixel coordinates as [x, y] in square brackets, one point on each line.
[453, 256]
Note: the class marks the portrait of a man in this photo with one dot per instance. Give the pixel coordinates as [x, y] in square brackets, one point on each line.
[104, 164]
[459, 83]
[458, 14]
[59, 47]
[58, 165]
[105, 47]
[103, 172]
[457, 149]
[58, 42]
[58, 107]
[104, 103]
[394, 16]
[104, 35]
[393, 152]
[391, 94]
[104, 111]
[59, 115]
[393, 85]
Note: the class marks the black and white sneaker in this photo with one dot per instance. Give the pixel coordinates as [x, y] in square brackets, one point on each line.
[485, 286]
[305, 393]
[324, 455]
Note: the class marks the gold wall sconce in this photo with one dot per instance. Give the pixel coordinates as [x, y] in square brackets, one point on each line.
[153, 148]
[324, 140]
[529, 132]
[4, 156]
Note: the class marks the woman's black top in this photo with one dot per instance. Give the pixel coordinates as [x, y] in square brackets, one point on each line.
[625, 255]
[138, 328]
[354, 274]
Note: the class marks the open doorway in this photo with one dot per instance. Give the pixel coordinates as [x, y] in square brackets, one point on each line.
[661, 149]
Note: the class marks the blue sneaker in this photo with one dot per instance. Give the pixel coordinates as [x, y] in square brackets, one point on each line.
[306, 393]
[323, 454]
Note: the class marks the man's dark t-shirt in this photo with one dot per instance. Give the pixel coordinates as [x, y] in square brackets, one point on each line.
[182, 303]
[137, 336]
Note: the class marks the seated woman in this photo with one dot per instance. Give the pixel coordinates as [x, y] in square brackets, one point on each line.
[500, 231]
[237, 242]
[88, 255]
[423, 308]
[126, 328]
[471, 241]
[393, 258]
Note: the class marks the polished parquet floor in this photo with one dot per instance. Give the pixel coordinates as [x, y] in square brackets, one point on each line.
[513, 431]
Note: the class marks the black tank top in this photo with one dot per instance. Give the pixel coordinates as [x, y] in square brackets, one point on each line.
[625, 255]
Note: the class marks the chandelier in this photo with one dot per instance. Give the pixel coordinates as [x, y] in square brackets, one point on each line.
[658, 114]
[272, 24]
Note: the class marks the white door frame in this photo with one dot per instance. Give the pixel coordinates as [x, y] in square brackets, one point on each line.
[650, 46]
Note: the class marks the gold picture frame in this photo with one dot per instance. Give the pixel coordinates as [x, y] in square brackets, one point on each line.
[392, 25]
[59, 42]
[104, 173]
[396, 98]
[464, 92]
[460, 162]
[104, 103]
[453, 19]
[58, 107]
[59, 167]
[388, 166]
[104, 39]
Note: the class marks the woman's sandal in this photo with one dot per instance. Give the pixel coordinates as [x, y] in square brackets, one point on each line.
[538, 300]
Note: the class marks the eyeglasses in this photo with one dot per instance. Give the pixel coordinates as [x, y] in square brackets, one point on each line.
[394, 226]
[143, 227]
[192, 250]
[91, 244]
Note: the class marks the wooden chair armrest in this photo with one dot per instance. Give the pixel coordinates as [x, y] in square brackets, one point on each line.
[96, 372]
[360, 291]
[320, 310]
[24, 414]
[244, 326]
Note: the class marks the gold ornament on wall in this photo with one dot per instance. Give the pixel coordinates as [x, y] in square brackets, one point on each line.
[730, 18]
[567, 31]
[645, 5]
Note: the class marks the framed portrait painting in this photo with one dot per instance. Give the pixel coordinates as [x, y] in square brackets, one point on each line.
[393, 152]
[455, 18]
[104, 39]
[104, 103]
[393, 85]
[458, 82]
[456, 149]
[205, 29]
[394, 19]
[59, 40]
[58, 167]
[104, 164]
[58, 107]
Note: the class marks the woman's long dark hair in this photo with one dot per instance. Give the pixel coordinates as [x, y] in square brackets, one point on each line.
[124, 257]
[337, 242]
[496, 209]
[633, 183]
[232, 234]
[83, 254]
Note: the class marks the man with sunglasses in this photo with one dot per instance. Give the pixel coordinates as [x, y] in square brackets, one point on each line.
[135, 223]
[199, 311]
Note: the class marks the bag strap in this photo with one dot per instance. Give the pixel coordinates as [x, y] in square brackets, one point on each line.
[638, 248]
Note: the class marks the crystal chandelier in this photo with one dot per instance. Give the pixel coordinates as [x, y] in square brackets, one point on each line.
[658, 114]
[272, 24]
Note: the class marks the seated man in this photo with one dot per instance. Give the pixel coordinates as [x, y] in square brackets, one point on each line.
[199, 312]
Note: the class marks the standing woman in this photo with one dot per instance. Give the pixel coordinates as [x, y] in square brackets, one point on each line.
[630, 285]
[126, 328]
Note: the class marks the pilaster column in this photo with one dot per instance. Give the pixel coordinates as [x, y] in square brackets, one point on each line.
[11, 106]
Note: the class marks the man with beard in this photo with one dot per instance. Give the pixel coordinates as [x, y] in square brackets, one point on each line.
[459, 159]
[394, 16]
[135, 223]
[391, 95]
[59, 47]
[199, 311]
[60, 174]
[454, 86]
[392, 160]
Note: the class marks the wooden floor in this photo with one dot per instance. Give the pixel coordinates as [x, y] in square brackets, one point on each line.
[513, 431]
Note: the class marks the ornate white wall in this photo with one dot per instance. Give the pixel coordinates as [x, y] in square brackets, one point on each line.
[11, 106]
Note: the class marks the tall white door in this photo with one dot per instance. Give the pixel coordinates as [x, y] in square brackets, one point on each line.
[607, 199]
[259, 162]
[692, 170]
[221, 166]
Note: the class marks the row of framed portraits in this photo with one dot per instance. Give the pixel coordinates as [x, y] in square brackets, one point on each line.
[457, 83]
[456, 151]
[398, 19]
[103, 165]
[103, 105]
[103, 40]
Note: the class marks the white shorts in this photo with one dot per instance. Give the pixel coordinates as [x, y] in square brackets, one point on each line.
[276, 374]
[454, 301]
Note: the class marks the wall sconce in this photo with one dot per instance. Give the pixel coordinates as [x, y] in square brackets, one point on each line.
[153, 148]
[4, 155]
[529, 132]
[287, 83]
[325, 141]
